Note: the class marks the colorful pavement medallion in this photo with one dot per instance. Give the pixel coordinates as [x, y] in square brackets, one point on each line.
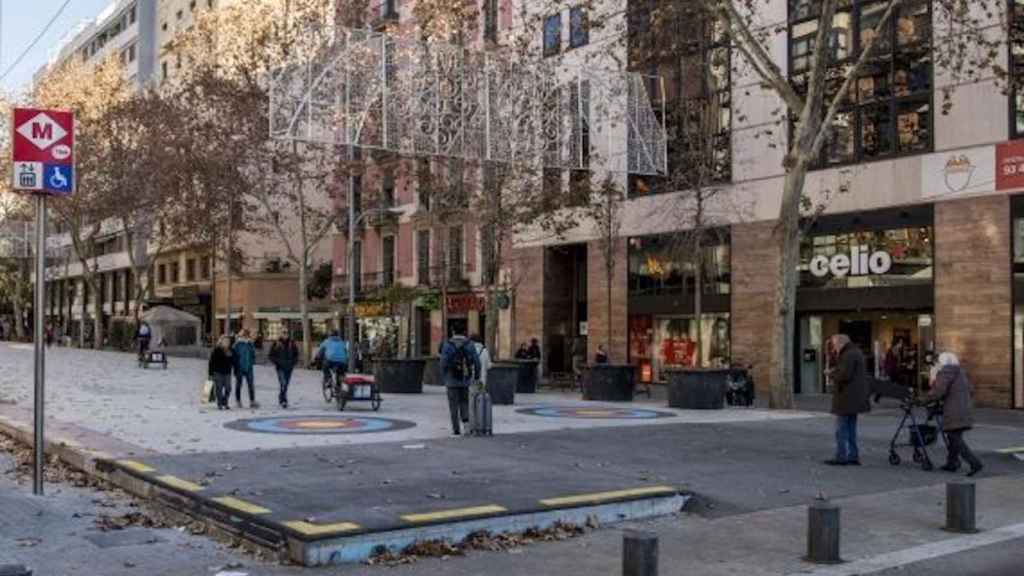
[318, 425]
[595, 413]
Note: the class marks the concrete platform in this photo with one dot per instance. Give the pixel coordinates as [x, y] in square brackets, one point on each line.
[318, 508]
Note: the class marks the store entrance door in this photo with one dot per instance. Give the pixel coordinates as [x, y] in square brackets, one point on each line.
[897, 346]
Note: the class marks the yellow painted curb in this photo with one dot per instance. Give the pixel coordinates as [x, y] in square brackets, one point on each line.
[241, 505]
[1017, 450]
[310, 529]
[136, 466]
[599, 497]
[454, 513]
[175, 482]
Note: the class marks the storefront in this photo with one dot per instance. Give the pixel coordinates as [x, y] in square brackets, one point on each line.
[663, 329]
[869, 275]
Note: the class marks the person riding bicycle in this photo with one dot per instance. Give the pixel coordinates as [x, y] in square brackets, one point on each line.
[334, 352]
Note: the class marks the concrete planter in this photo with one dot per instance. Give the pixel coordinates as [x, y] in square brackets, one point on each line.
[432, 371]
[609, 382]
[399, 375]
[527, 383]
[697, 389]
[502, 380]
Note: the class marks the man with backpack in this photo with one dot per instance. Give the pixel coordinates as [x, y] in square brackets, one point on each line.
[460, 366]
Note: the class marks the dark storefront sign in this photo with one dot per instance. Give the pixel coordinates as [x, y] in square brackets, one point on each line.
[465, 303]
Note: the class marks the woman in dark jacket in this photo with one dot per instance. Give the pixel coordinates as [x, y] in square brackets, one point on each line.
[221, 364]
[951, 386]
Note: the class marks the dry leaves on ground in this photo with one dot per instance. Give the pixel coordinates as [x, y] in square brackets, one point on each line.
[482, 540]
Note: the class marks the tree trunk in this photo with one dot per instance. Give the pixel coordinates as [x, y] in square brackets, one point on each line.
[304, 313]
[97, 320]
[781, 390]
[19, 319]
[698, 300]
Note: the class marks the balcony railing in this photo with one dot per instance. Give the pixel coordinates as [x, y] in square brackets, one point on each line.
[366, 283]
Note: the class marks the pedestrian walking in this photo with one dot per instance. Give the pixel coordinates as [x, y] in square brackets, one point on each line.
[460, 366]
[49, 334]
[220, 368]
[284, 355]
[335, 355]
[951, 386]
[245, 362]
[484, 354]
[850, 398]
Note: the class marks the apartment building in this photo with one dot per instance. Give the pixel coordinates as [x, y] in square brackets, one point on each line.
[920, 248]
[126, 29]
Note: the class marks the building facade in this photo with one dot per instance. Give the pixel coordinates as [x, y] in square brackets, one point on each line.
[918, 249]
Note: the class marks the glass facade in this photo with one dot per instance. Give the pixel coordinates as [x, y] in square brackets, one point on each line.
[664, 331]
[1018, 302]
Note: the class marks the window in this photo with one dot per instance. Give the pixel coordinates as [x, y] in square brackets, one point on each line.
[1017, 68]
[132, 15]
[173, 271]
[387, 192]
[389, 9]
[161, 274]
[491, 20]
[192, 5]
[455, 254]
[552, 34]
[163, 69]
[357, 194]
[488, 255]
[190, 270]
[388, 260]
[579, 27]
[889, 110]
[908, 251]
[424, 181]
[129, 284]
[423, 257]
[179, 14]
[663, 265]
[164, 26]
[205, 269]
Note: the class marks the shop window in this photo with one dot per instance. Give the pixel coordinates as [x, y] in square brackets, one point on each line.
[579, 27]
[660, 265]
[889, 110]
[552, 35]
[1018, 301]
[1016, 44]
[190, 270]
[660, 343]
[161, 274]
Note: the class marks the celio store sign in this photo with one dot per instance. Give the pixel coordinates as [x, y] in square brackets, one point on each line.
[859, 262]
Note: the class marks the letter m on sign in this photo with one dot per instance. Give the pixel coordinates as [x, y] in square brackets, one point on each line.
[42, 131]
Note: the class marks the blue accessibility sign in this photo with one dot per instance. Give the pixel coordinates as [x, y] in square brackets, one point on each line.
[58, 178]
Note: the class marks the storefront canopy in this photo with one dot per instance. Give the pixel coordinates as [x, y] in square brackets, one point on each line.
[173, 327]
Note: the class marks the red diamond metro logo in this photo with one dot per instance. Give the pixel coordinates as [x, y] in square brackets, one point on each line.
[42, 131]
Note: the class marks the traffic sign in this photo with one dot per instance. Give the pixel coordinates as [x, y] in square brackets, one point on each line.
[43, 151]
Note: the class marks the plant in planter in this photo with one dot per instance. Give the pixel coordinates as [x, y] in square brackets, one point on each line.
[395, 370]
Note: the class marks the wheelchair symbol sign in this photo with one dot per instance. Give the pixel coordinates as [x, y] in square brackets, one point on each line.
[58, 178]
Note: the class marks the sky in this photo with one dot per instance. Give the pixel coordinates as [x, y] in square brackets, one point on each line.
[23, 20]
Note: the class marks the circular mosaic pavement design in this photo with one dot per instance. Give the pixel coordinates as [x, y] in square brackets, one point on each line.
[595, 413]
[319, 425]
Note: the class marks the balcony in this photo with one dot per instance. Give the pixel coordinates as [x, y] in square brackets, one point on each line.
[366, 284]
[454, 276]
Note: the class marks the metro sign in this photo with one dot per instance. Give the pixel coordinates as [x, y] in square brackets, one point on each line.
[43, 151]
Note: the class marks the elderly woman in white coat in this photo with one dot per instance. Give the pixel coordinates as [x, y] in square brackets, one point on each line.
[950, 385]
[485, 358]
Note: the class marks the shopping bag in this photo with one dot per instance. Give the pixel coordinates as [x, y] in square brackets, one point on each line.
[207, 392]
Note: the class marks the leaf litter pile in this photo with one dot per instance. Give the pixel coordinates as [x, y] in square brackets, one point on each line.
[479, 541]
[55, 471]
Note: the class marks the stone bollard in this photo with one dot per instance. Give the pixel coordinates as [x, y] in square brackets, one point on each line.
[823, 533]
[639, 554]
[960, 508]
[14, 570]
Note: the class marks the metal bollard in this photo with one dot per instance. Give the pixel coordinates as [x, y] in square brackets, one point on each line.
[639, 553]
[14, 570]
[960, 510]
[823, 533]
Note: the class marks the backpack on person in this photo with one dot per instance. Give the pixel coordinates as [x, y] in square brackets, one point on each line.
[461, 367]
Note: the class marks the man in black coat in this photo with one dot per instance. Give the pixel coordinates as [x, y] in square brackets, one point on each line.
[284, 355]
[850, 397]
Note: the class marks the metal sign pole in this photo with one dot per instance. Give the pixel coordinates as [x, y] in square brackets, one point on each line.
[40, 349]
